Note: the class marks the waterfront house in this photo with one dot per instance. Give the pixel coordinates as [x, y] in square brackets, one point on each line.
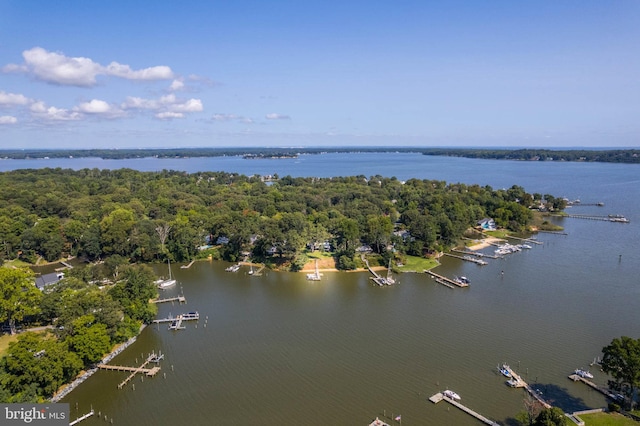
[487, 224]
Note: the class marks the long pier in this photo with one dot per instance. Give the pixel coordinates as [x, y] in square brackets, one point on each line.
[445, 279]
[589, 383]
[467, 258]
[441, 397]
[475, 253]
[528, 240]
[611, 218]
[180, 299]
[79, 419]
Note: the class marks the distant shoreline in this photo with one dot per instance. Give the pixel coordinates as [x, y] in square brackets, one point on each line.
[601, 155]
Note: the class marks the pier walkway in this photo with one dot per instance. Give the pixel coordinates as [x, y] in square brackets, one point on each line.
[467, 258]
[611, 218]
[188, 266]
[180, 299]
[475, 253]
[442, 279]
[377, 278]
[79, 419]
[440, 397]
[602, 390]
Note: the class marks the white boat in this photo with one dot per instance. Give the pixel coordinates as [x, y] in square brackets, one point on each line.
[504, 369]
[233, 268]
[167, 283]
[462, 280]
[451, 395]
[585, 374]
[251, 272]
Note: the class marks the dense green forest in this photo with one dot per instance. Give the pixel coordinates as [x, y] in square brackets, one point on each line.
[586, 155]
[120, 220]
[149, 216]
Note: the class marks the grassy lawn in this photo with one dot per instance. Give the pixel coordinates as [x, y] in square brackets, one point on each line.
[417, 264]
[5, 339]
[607, 419]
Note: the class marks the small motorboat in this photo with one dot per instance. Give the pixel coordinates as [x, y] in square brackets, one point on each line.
[504, 369]
[584, 374]
[451, 395]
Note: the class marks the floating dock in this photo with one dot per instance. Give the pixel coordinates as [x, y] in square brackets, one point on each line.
[440, 397]
[442, 279]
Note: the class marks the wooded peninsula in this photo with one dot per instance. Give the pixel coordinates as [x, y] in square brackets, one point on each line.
[118, 221]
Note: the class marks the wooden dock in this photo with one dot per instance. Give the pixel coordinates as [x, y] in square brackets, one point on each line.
[611, 218]
[467, 258]
[517, 382]
[79, 419]
[180, 299]
[475, 253]
[602, 390]
[444, 279]
[191, 316]
[188, 266]
[150, 372]
[441, 397]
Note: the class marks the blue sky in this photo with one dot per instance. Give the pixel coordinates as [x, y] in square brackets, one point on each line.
[123, 74]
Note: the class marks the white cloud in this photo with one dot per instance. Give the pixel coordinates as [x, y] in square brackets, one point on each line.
[224, 117]
[167, 106]
[231, 117]
[176, 85]
[99, 108]
[57, 68]
[7, 119]
[169, 115]
[39, 109]
[160, 72]
[13, 99]
[276, 116]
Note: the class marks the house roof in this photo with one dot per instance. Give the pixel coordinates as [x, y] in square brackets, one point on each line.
[47, 279]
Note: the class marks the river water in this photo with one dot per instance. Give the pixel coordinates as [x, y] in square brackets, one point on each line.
[277, 349]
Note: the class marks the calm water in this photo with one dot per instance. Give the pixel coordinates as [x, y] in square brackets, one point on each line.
[279, 350]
